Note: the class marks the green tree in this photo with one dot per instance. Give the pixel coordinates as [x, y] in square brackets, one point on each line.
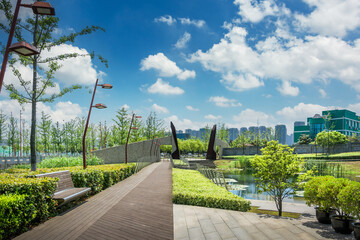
[241, 141]
[2, 126]
[223, 132]
[206, 135]
[44, 130]
[276, 170]
[330, 139]
[56, 136]
[12, 139]
[136, 135]
[154, 126]
[35, 90]
[304, 139]
[122, 124]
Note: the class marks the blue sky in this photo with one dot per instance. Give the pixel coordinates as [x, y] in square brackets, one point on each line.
[242, 62]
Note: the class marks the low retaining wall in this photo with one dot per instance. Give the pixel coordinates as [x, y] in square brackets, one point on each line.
[300, 149]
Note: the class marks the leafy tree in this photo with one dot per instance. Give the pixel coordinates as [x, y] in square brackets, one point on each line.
[276, 170]
[12, 134]
[241, 141]
[44, 130]
[304, 139]
[36, 90]
[154, 127]
[136, 135]
[206, 135]
[2, 126]
[330, 139]
[56, 136]
[122, 124]
[223, 132]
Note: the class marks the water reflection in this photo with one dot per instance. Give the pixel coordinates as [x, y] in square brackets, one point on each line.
[246, 187]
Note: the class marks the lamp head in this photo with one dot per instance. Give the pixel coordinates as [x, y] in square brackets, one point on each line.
[43, 8]
[24, 49]
[100, 106]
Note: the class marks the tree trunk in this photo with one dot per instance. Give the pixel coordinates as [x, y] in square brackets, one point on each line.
[33, 107]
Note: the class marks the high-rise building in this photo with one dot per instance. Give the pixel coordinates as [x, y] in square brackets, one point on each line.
[243, 130]
[343, 121]
[280, 133]
[202, 133]
[299, 123]
[262, 130]
[233, 133]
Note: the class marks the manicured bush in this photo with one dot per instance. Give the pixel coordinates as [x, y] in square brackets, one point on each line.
[16, 213]
[192, 188]
[311, 192]
[56, 162]
[349, 199]
[38, 190]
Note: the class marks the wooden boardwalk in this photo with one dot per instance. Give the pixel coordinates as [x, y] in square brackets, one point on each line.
[139, 207]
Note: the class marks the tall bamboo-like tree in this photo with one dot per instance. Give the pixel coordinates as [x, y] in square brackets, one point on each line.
[12, 134]
[35, 90]
[2, 126]
[44, 130]
[154, 126]
[122, 124]
[56, 136]
[223, 132]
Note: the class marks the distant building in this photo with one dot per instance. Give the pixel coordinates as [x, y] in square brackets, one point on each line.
[262, 130]
[188, 131]
[243, 130]
[233, 134]
[343, 121]
[280, 133]
[183, 136]
[202, 133]
[290, 139]
[299, 123]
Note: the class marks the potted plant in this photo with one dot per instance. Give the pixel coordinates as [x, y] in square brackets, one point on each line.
[349, 199]
[311, 195]
[329, 193]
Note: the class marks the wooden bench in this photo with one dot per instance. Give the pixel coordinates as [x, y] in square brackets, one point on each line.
[65, 191]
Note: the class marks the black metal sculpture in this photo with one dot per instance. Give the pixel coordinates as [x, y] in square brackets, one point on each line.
[176, 153]
[211, 154]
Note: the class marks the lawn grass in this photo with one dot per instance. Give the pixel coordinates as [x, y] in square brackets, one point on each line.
[222, 163]
[274, 213]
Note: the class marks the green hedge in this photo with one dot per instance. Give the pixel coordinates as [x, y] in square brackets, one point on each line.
[192, 188]
[16, 213]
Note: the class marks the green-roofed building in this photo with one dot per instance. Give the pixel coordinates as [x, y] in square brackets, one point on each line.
[343, 121]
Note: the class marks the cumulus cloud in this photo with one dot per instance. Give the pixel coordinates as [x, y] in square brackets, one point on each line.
[184, 123]
[169, 20]
[255, 11]
[79, 70]
[159, 109]
[182, 42]
[125, 106]
[61, 111]
[287, 89]
[212, 117]
[250, 117]
[322, 93]
[314, 58]
[165, 67]
[331, 17]
[190, 108]
[196, 23]
[164, 88]
[221, 101]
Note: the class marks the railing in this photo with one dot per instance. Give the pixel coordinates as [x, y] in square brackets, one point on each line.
[215, 176]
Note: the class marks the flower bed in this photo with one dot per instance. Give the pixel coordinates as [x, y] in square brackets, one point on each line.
[192, 188]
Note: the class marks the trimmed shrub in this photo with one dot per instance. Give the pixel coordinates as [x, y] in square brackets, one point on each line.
[192, 188]
[349, 199]
[16, 213]
[311, 192]
[38, 190]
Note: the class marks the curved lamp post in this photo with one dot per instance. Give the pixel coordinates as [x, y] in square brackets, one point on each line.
[23, 48]
[127, 140]
[98, 106]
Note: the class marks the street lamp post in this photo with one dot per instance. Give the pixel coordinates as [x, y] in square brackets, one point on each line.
[127, 140]
[23, 48]
[98, 106]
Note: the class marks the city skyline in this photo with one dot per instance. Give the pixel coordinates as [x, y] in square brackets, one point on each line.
[263, 62]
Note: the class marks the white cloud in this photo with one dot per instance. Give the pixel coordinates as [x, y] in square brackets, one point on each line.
[196, 23]
[221, 101]
[287, 89]
[164, 88]
[79, 70]
[331, 17]
[322, 93]
[212, 117]
[169, 20]
[165, 66]
[252, 11]
[250, 117]
[183, 124]
[125, 106]
[190, 108]
[159, 109]
[316, 58]
[62, 111]
[182, 42]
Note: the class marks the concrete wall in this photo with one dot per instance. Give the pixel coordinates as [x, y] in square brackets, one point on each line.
[144, 151]
[305, 148]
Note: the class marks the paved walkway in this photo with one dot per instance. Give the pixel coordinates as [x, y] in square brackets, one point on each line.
[139, 207]
[196, 223]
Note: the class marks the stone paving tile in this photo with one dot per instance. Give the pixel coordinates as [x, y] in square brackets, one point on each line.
[207, 226]
[241, 234]
[196, 234]
[224, 231]
[212, 236]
